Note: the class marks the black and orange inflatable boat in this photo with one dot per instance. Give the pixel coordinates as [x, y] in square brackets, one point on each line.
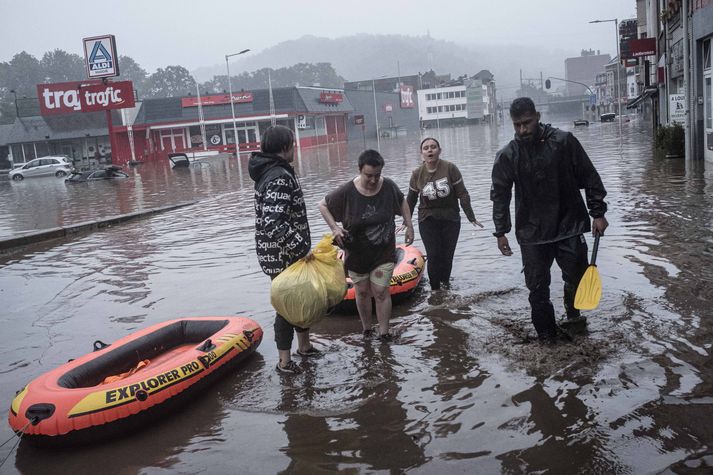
[123, 385]
[408, 271]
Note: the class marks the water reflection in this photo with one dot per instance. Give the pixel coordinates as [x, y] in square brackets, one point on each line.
[463, 389]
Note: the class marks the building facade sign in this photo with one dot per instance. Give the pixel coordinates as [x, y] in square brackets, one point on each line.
[676, 69]
[238, 97]
[474, 99]
[642, 47]
[627, 33]
[677, 108]
[331, 97]
[78, 96]
[407, 99]
[100, 57]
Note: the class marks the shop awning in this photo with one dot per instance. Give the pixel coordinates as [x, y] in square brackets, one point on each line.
[648, 92]
[227, 120]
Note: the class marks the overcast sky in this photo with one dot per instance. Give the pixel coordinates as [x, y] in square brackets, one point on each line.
[157, 33]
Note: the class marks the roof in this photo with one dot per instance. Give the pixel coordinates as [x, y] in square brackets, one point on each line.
[484, 75]
[166, 111]
[4, 133]
[311, 99]
[169, 109]
[57, 127]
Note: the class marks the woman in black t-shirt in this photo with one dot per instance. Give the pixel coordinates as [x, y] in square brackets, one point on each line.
[366, 207]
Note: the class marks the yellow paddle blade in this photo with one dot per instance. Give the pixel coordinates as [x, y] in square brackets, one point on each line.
[589, 290]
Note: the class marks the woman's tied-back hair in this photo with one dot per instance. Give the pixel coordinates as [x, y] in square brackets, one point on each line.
[277, 139]
[370, 157]
[427, 139]
[522, 106]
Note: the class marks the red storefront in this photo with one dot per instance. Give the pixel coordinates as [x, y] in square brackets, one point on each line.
[187, 124]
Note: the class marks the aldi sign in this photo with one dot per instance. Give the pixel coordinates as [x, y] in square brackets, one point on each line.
[100, 57]
[84, 96]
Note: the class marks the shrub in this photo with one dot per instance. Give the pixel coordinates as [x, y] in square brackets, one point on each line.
[670, 139]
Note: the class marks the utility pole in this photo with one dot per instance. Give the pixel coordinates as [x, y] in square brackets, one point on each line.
[688, 153]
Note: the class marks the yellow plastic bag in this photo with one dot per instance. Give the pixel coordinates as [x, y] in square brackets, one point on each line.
[305, 291]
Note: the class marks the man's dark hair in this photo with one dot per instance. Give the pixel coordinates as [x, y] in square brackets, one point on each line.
[277, 139]
[522, 106]
[370, 157]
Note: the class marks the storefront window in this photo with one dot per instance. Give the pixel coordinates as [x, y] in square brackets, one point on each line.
[29, 151]
[213, 135]
[196, 136]
[17, 156]
[42, 149]
[229, 134]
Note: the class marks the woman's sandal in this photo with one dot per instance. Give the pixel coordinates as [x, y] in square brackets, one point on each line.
[312, 352]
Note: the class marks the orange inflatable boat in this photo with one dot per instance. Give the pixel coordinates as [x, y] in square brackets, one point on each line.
[123, 385]
[407, 275]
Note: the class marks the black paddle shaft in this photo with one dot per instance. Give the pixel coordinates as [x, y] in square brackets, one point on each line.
[594, 251]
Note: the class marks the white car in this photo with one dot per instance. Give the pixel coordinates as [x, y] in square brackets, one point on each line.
[58, 166]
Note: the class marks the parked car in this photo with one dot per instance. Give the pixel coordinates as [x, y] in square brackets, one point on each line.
[107, 173]
[608, 117]
[58, 166]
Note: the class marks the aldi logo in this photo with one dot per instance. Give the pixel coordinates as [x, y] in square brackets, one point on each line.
[100, 56]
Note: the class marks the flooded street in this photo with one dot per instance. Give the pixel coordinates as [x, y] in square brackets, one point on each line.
[462, 390]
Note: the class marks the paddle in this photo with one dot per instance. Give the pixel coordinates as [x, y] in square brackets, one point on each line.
[589, 290]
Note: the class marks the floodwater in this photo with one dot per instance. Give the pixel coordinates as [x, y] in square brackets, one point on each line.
[462, 390]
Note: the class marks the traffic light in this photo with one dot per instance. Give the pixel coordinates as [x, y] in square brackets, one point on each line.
[548, 84]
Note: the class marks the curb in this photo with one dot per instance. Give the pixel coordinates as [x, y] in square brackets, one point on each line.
[11, 245]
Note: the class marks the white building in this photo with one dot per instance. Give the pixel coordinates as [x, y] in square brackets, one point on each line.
[442, 103]
[466, 101]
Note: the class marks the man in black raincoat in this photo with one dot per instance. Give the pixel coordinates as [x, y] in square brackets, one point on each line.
[548, 167]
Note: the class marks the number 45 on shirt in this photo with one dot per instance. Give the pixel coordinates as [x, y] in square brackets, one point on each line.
[438, 189]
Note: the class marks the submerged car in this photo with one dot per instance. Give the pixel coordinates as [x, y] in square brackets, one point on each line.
[58, 166]
[107, 173]
[179, 160]
[608, 117]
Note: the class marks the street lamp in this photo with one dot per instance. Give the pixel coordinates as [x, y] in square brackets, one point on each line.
[376, 113]
[17, 111]
[547, 83]
[618, 67]
[232, 105]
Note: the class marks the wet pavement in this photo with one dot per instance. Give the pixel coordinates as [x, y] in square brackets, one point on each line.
[463, 389]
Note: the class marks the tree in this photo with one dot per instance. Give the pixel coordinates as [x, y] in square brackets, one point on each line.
[305, 74]
[60, 66]
[22, 74]
[131, 71]
[170, 82]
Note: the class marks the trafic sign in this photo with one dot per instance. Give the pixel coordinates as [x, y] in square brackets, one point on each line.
[84, 96]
